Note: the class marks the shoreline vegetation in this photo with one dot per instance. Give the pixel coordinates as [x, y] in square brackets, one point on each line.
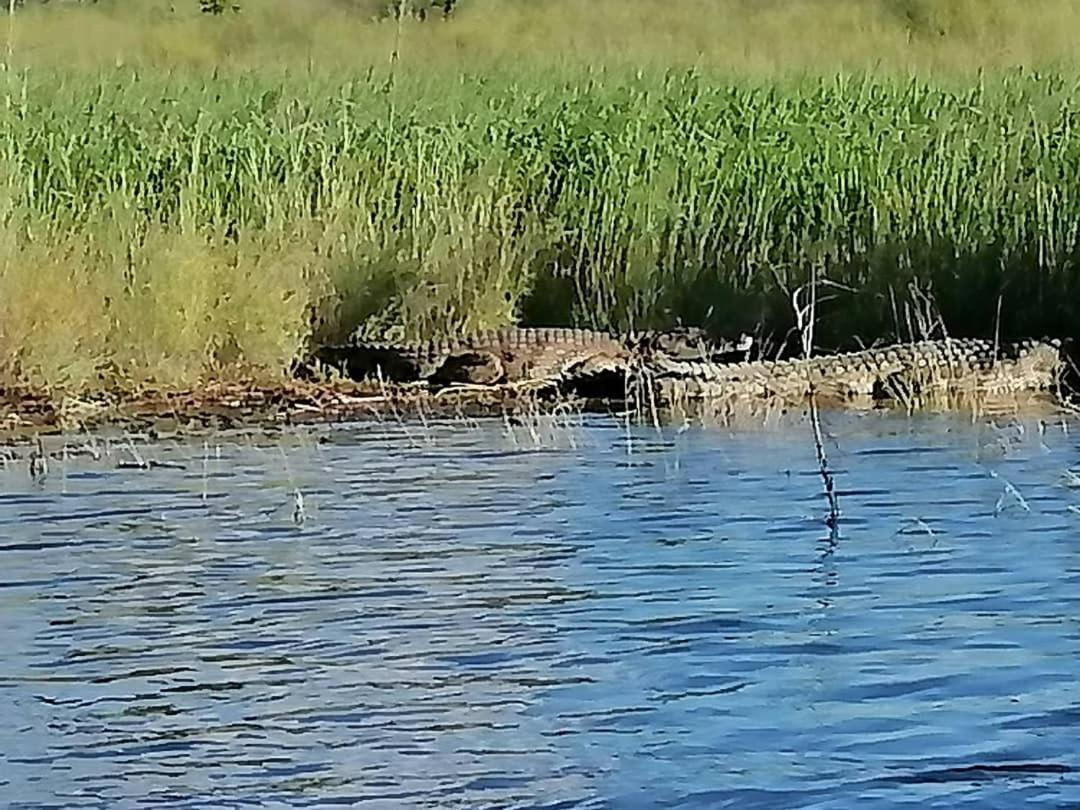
[188, 197]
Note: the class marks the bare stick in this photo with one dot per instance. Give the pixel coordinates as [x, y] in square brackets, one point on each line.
[997, 328]
[804, 320]
[10, 35]
[10, 55]
[398, 34]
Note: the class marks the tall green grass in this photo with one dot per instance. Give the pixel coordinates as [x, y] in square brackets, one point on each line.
[164, 224]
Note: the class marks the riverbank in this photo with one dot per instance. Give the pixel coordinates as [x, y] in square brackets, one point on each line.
[218, 406]
[168, 221]
[25, 416]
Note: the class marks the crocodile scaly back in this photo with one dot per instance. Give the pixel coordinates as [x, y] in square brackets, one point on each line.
[956, 364]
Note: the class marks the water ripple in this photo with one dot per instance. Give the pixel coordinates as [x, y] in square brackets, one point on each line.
[571, 618]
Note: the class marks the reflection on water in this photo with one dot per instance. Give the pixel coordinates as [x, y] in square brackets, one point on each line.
[571, 617]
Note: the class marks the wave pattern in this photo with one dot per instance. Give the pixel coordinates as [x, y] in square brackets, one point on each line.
[569, 616]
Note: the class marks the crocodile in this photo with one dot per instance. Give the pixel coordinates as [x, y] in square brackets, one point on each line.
[517, 355]
[898, 371]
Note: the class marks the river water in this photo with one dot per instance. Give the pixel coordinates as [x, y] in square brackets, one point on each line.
[557, 615]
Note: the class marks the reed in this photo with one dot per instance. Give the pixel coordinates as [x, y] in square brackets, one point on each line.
[169, 216]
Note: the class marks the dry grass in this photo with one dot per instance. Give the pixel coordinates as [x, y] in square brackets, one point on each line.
[79, 315]
[746, 36]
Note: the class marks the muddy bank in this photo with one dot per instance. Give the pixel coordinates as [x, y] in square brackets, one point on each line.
[224, 406]
[228, 405]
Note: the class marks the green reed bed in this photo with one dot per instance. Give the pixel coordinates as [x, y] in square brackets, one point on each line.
[163, 228]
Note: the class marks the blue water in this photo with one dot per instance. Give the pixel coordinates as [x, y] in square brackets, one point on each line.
[572, 615]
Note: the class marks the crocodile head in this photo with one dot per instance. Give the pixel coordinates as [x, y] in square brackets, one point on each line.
[692, 343]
